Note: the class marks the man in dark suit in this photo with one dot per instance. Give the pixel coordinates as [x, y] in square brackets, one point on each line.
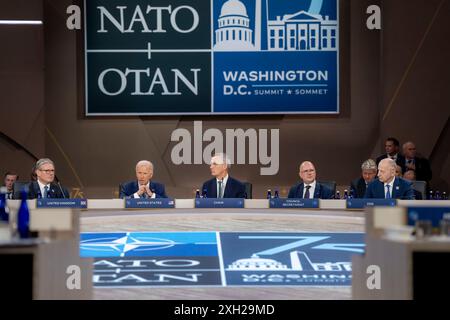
[368, 173]
[44, 186]
[143, 187]
[309, 188]
[9, 179]
[388, 186]
[420, 165]
[392, 147]
[222, 185]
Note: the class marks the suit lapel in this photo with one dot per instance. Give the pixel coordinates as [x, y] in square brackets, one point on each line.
[380, 187]
[300, 190]
[213, 189]
[317, 191]
[228, 188]
[395, 188]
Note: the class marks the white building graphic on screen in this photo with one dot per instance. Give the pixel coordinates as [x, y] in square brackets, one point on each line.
[299, 262]
[299, 31]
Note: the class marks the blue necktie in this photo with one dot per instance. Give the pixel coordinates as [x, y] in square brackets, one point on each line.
[388, 193]
[307, 192]
[46, 192]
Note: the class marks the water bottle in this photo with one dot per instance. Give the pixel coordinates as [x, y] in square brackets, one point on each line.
[23, 217]
[269, 194]
[444, 195]
[204, 194]
[430, 197]
[3, 214]
[345, 194]
[276, 194]
[352, 194]
[197, 193]
[437, 196]
[338, 195]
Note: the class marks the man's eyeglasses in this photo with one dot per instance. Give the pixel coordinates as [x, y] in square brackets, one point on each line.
[48, 171]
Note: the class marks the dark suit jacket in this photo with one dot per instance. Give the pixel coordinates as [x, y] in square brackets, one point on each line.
[402, 190]
[358, 188]
[128, 189]
[321, 192]
[400, 161]
[423, 169]
[233, 189]
[55, 191]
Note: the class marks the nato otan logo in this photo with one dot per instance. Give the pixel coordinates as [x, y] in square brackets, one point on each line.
[294, 31]
[114, 245]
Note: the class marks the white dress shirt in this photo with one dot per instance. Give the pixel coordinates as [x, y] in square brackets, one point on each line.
[224, 183]
[136, 196]
[42, 188]
[311, 190]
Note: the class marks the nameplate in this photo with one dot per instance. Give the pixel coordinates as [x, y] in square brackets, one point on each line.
[362, 203]
[433, 214]
[293, 203]
[134, 203]
[219, 203]
[61, 203]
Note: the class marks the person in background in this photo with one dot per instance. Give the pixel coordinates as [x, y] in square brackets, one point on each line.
[410, 175]
[421, 166]
[368, 173]
[392, 147]
[8, 182]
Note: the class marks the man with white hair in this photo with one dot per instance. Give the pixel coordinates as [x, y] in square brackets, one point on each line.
[421, 166]
[309, 188]
[143, 187]
[45, 186]
[368, 173]
[222, 185]
[388, 186]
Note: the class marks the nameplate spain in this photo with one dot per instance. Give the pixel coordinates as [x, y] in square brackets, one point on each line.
[133, 203]
[219, 203]
[362, 203]
[61, 203]
[293, 203]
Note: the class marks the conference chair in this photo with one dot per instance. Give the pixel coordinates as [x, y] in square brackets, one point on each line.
[248, 189]
[18, 187]
[420, 186]
[330, 185]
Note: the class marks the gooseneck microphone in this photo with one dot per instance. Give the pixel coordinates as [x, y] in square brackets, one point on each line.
[62, 191]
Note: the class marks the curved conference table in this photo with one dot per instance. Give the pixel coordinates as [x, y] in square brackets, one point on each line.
[108, 216]
[332, 216]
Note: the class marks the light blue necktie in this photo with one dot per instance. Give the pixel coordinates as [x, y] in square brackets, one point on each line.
[388, 193]
[46, 192]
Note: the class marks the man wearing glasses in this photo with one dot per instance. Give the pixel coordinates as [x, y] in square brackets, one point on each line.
[309, 188]
[44, 186]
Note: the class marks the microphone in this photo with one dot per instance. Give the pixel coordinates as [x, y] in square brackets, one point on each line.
[62, 191]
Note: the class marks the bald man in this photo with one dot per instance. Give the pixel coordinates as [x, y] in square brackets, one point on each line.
[309, 188]
[420, 165]
[143, 187]
[388, 186]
